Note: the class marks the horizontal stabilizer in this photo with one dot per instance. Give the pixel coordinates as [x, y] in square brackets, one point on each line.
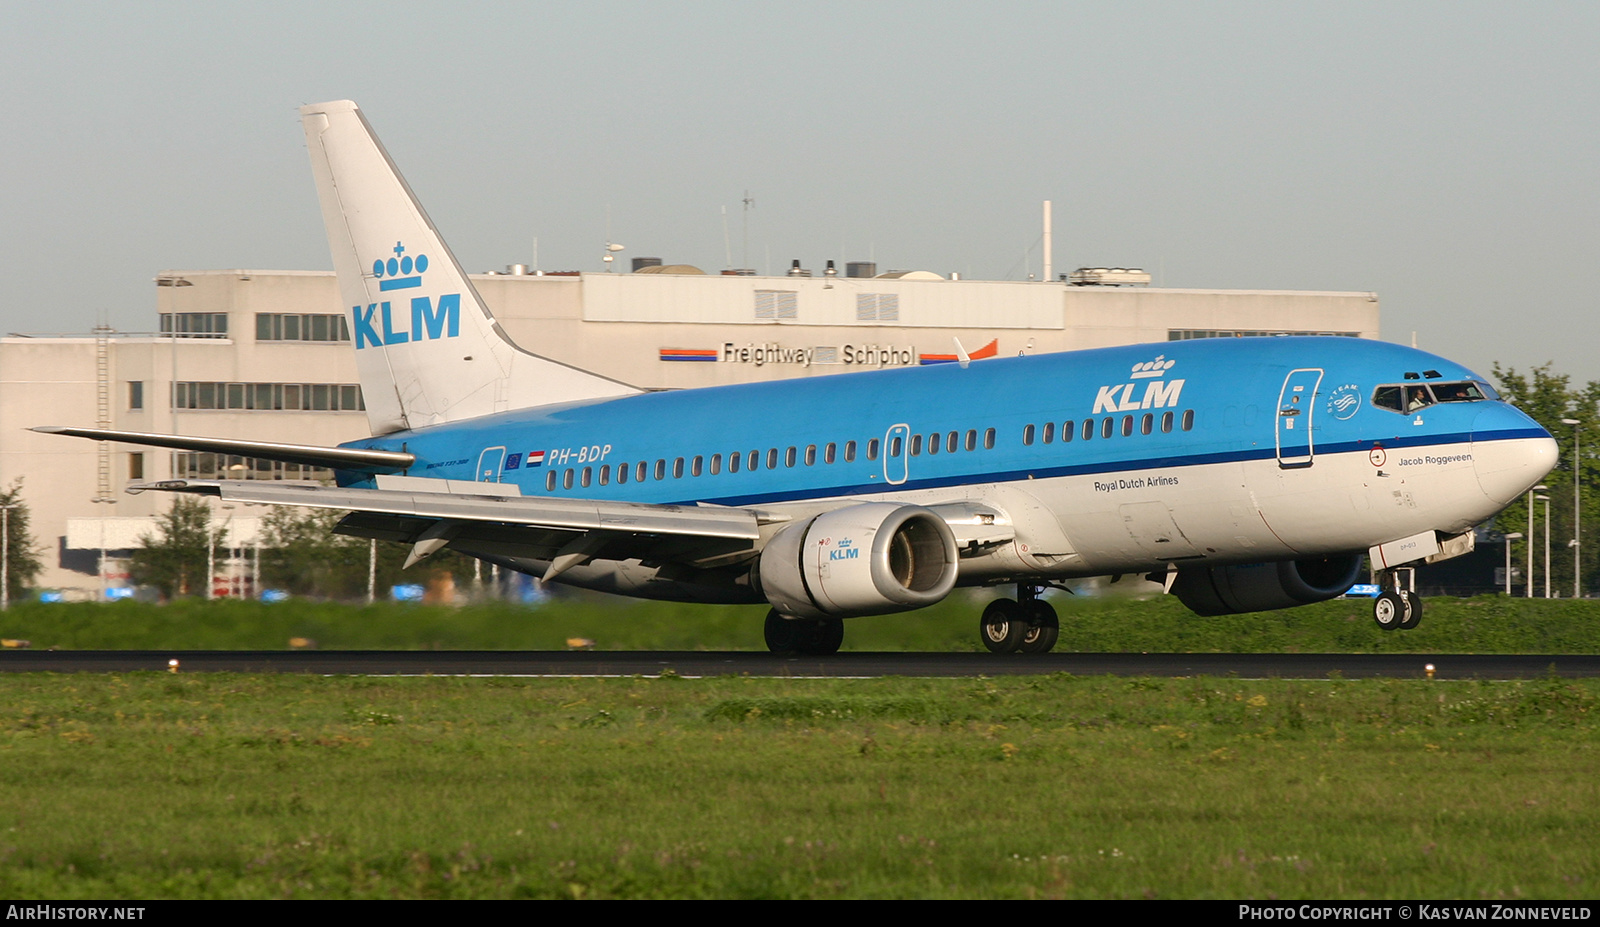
[309, 455]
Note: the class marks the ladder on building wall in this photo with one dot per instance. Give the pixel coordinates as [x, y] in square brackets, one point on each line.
[102, 377]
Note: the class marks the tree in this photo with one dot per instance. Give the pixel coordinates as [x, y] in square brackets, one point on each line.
[22, 553]
[301, 554]
[174, 561]
[1548, 398]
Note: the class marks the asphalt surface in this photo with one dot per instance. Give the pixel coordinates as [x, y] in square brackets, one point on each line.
[842, 665]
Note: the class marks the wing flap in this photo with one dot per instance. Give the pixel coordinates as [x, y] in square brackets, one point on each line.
[559, 514]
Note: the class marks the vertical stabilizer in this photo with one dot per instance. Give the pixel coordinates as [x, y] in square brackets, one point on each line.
[427, 349]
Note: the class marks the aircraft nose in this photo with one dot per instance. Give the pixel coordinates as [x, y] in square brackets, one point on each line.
[1510, 452]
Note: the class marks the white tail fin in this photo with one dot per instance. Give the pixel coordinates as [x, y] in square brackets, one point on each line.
[427, 349]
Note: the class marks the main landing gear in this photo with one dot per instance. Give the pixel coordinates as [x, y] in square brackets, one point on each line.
[1397, 607]
[805, 636]
[1025, 625]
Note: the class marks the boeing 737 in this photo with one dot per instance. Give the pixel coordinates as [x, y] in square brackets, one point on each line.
[1242, 474]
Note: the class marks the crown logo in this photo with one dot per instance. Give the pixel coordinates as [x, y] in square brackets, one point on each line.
[394, 274]
[1154, 368]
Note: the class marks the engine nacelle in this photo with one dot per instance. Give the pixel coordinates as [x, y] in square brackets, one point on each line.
[1259, 587]
[866, 559]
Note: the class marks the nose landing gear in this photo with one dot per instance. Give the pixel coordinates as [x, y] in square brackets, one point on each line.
[1397, 607]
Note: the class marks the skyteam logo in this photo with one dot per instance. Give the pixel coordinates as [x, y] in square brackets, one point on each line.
[1345, 401]
[1159, 392]
[375, 324]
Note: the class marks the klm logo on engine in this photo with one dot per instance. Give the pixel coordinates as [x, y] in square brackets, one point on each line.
[1157, 392]
[377, 324]
[845, 551]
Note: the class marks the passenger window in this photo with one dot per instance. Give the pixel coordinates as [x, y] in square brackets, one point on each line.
[988, 439]
[755, 461]
[1088, 428]
[1147, 424]
[849, 452]
[872, 449]
[677, 468]
[789, 456]
[1027, 435]
[1166, 423]
[1107, 425]
[605, 475]
[916, 445]
[734, 461]
[972, 439]
[1188, 419]
[661, 469]
[830, 453]
[933, 444]
[1067, 428]
[1127, 425]
[772, 458]
[1049, 432]
[586, 476]
[639, 475]
[550, 481]
[566, 480]
[951, 442]
[622, 473]
[696, 466]
[894, 446]
[811, 455]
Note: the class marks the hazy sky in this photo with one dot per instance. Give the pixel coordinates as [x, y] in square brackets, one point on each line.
[1440, 154]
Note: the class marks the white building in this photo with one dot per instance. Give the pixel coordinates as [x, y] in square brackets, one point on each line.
[265, 355]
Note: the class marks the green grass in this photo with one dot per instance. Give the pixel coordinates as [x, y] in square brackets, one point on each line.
[1489, 624]
[230, 786]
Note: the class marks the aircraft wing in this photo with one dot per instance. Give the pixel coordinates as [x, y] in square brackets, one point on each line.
[565, 532]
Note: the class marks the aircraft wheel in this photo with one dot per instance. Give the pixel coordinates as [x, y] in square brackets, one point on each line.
[1043, 627]
[1002, 626]
[809, 636]
[1413, 614]
[1388, 610]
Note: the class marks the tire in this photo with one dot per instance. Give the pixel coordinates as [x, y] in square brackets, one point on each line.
[1413, 613]
[1043, 627]
[1002, 626]
[1388, 610]
[808, 636]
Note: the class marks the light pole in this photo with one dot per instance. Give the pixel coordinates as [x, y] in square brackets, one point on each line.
[1546, 500]
[5, 555]
[1577, 512]
[1509, 538]
[1528, 587]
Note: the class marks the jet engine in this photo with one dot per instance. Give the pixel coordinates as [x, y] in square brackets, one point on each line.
[866, 559]
[1259, 587]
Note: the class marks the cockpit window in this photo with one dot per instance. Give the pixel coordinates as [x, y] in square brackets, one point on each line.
[1413, 396]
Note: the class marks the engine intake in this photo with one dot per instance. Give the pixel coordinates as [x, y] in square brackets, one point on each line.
[1259, 587]
[866, 559]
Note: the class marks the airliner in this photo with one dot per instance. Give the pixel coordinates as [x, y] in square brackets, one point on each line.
[1242, 474]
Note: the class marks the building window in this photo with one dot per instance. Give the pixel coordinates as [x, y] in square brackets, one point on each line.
[877, 307]
[281, 326]
[136, 466]
[777, 305]
[269, 397]
[191, 465]
[195, 324]
[135, 395]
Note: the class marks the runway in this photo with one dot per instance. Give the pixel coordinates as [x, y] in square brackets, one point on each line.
[842, 665]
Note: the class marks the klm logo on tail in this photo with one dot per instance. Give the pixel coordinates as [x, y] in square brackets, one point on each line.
[375, 324]
[1159, 393]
